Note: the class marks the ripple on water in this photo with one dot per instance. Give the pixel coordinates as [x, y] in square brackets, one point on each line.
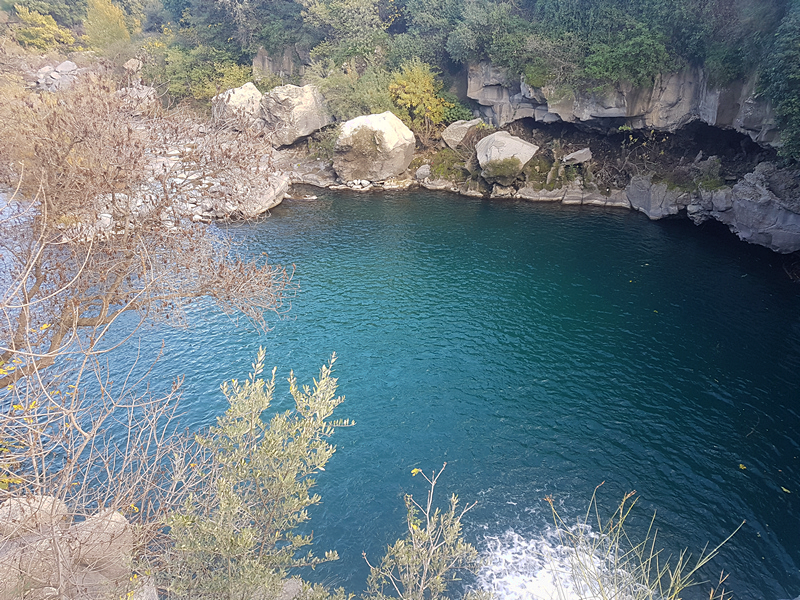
[540, 350]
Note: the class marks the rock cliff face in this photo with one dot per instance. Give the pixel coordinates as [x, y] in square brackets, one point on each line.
[763, 208]
[675, 100]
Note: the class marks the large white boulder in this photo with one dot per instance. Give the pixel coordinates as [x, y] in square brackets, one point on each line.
[502, 156]
[373, 147]
[239, 104]
[293, 112]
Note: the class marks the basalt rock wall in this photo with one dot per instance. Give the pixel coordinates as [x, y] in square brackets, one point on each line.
[674, 100]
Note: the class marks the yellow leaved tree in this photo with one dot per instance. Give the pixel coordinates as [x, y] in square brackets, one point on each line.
[40, 32]
[105, 24]
[416, 88]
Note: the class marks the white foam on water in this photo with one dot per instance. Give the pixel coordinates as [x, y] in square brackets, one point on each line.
[542, 568]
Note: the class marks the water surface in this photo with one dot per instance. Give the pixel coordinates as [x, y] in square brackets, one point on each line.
[540, 350]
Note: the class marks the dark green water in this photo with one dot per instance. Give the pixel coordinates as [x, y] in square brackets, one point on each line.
[539, 350]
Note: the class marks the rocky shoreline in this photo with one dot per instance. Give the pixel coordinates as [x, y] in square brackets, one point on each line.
[530, 157]
[761, 205]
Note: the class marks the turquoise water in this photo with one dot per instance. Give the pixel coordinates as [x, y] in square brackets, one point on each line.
[539, 350]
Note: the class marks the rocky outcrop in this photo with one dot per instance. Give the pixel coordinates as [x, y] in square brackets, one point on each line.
[501, 100]
[455, 133]
[238, 105]
[287, 63]
[373, 147]
[265, 199]
[502, 157]
[674, 100]
[763, 208]
[44, 555]
[291, 112]
[655, 200]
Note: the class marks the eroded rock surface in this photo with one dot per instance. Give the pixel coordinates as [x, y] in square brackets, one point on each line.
[237, 105]
[373, 147]
[497, 152]
[455, 133]
[674, 100]
[291, 112]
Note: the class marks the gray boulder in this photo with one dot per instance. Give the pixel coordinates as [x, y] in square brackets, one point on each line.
[502, 157]
[578, 157]
[32, 514]
[455, 133]
[237, 105]
[423, 172]
[293, 112]
[655, 200]
[257, 203]
[103, 543]
[56, 78]
[373, 147]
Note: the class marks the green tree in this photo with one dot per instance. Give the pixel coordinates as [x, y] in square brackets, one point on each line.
[636, 55]
[67, 13]
[352, 28]
[237, 535]
[40, 32]
[782, 81]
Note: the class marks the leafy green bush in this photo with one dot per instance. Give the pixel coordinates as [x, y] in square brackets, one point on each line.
[504, 171]
[67, 13]
[236, 536]
[447, 164]
[456, 111]
[349, 95]
[636, 55]
[781, 81]
[536, 171]
[105, 24]
[199, 73]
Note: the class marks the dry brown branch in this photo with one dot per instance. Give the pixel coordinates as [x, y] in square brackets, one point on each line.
[99, 223]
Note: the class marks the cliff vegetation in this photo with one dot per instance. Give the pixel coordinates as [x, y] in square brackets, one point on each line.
[355, 50]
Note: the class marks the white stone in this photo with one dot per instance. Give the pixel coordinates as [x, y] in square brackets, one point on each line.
[578, 157]
[103, 543]
[455, 133]
[242, 103]
[19, 516]
[503, 145]
[373, 147]
[67, 67]
[293, 112]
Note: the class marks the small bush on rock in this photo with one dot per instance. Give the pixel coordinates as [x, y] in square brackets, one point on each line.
[502, 170]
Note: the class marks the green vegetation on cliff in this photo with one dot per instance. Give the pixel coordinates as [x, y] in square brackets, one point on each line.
[569, 44]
